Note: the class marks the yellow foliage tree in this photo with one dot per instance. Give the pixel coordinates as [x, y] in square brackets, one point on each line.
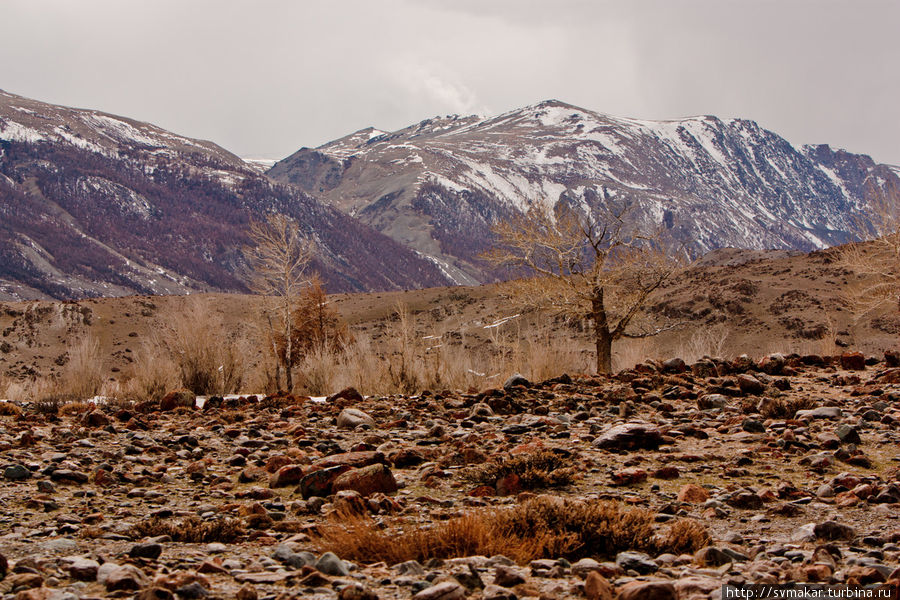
[593, 267]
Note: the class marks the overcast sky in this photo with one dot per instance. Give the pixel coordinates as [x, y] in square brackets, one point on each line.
[264, 77]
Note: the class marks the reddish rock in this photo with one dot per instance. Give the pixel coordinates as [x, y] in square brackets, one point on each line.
[173, 400]
[103, 478]
[629, 436]
[647, 590]
[509, 485]
[750, 384]
[853, 361]
[666, 473]
[694, 494]
[483, 491]
[348, 395]
[349, 459]
[366, 480]
[95, 418]
[597, 587]
[629, 476]
[287, 475]
[276, 462]
[318, 483]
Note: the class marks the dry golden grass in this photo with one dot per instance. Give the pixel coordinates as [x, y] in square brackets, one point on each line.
[780, 408]
[205, 352]
[542, 527]
[153, 374]
[8, 409]
[538, 470]
[190, 530]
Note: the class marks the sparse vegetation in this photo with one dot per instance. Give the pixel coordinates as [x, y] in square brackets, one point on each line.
[588, 267]
[543, 527]
[190, 530]
[780, 408]
[536, 470]
[206, 354]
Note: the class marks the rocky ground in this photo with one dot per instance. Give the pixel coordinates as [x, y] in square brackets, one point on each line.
[790, 464]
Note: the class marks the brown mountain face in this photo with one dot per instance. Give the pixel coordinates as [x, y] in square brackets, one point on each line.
[439, 185]
[97, 205]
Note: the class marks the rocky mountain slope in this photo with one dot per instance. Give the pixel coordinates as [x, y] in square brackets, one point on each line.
[92, 204]
[437, 186]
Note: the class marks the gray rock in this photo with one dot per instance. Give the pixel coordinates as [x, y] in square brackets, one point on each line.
[448, 590]
[410, 567]
[351, 418]
[753, 426]
[832, 530]
[848, 434]
[514, 380]
[585, 566]
[495, 592]
[84, 569]
[330, 564]
[150, 550]
[712, 402]
[822, 412]
[636, 561]
[284, 554]
[629, 436]
[16, 472]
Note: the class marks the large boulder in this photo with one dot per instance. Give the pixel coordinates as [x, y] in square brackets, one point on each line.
[629, 436]
[366, 480]
[351, 418]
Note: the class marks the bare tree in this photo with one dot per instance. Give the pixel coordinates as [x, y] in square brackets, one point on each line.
[876, 264]
[279, 259]
[586, 267]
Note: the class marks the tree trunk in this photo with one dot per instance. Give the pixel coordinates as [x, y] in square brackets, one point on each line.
[603, 337]
[275, 353]
[288, 349]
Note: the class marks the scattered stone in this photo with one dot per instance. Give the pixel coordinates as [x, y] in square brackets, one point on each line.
[629, 436]
[447, 590]
[712, 402]
[16, 472]
[832, 530]
[597, 587]
[330, 564]
[515, 380]
[148, 550]
[853, 361]
[647, 590]
[355, 591]
[84, 569]
[366, 480]
[121, 577]
[636, 561]
[351, 418]
[693, 494]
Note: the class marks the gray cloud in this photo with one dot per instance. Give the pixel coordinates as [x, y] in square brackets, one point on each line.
[263, 78]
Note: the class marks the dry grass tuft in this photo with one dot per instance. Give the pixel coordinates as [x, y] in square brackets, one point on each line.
[543, 527]
[205, 353]
[786, 409]
[538, 470]
[191, 530]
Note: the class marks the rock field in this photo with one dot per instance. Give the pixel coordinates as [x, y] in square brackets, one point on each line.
[790, 465]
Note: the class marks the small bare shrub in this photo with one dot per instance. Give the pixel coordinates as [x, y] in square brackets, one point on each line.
[538, 470]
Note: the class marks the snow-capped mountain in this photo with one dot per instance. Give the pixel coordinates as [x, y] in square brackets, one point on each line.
[439, 185]
[94, 204]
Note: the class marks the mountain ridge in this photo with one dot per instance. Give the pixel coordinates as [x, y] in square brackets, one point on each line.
[95, 204]
[439, 184]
